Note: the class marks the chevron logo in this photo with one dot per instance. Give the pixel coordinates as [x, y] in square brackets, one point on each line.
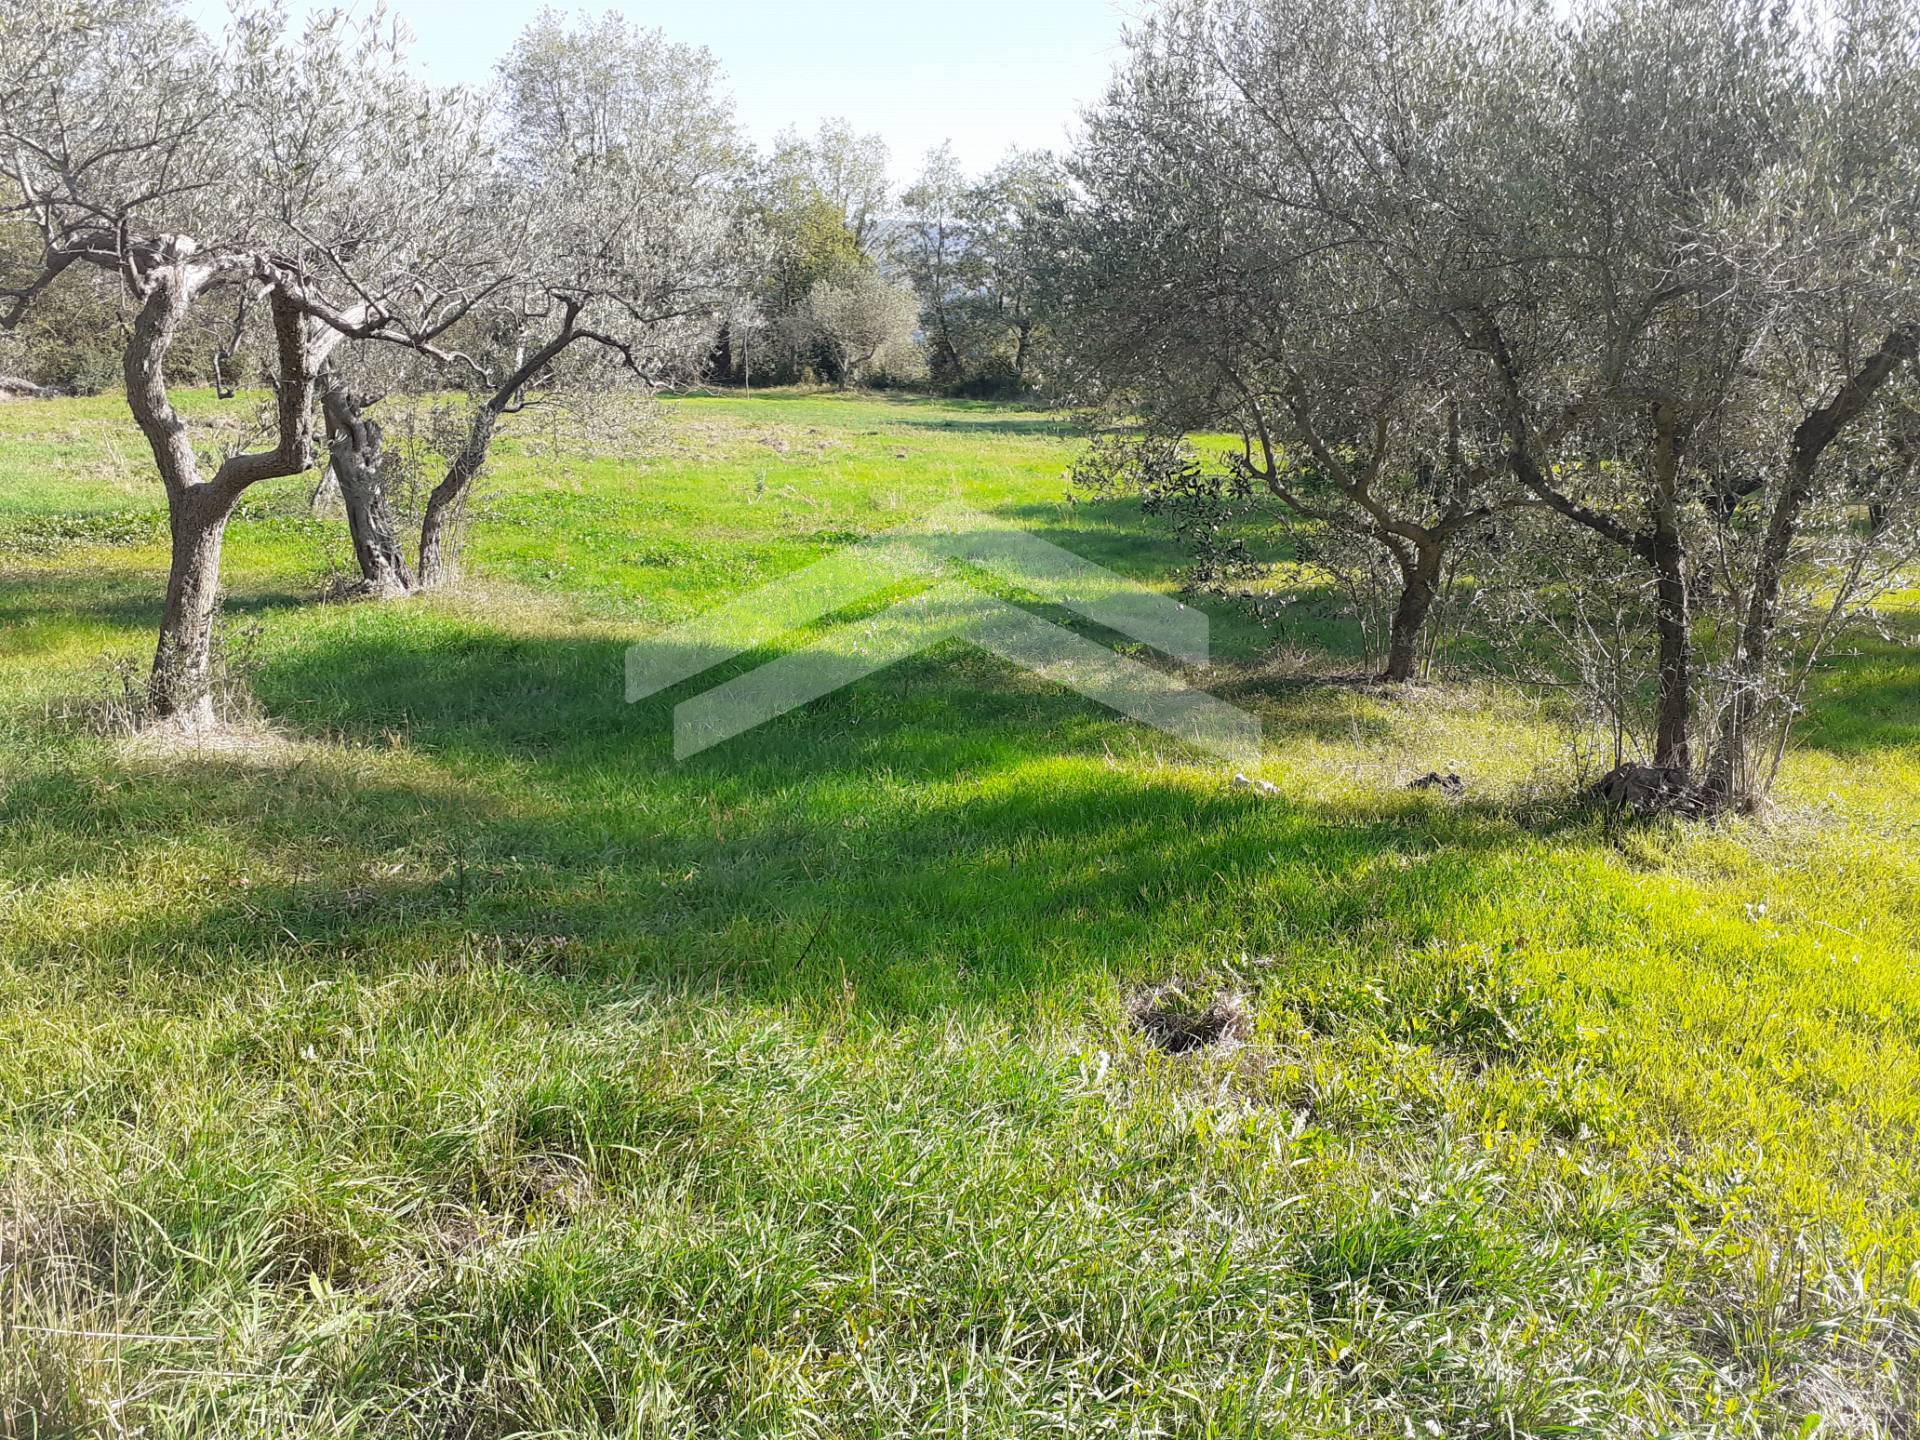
[948, 549]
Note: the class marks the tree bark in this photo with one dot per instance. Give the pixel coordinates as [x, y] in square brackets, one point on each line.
[1731, 777]
[437, 539]
[198, 510]
[353, 447]
[1665, 550]
[180, 686]
[1673, 624]
[177, 686]
[161, 313]
[444, 505]
[1420, 583]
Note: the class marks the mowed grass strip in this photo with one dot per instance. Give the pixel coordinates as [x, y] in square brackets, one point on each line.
[447, 1060]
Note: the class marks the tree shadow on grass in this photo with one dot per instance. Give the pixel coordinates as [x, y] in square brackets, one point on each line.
[1866, 699]
[34, 601]
[949, 832]
[1114, 533]
[991, 423]
[929, 412]
[923, 902]
[466, 689]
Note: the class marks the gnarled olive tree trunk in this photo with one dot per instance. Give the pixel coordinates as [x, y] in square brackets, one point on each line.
[354, 452]
[1664, 548]
[180, 685]
[197, 509]
[449, 497]
[1420, 565]
[444, 505]
[1733, 777]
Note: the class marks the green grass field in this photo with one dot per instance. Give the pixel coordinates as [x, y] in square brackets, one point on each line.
[446, 1060]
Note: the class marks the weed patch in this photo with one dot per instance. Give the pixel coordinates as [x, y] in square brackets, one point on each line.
[1177, 1020]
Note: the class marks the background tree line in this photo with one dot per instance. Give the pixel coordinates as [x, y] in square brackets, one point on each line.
[843, 277]
[935, 286]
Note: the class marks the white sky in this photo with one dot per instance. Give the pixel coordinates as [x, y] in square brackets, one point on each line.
[985, 74]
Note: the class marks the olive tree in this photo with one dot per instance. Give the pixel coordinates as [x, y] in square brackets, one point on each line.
[1011, 204]
[862, 318]
[1225, 263]
[932, 244]
[269, 172]
[608, 224]
[1695, 311]
[810, 214]
[973, 250]
[1658, 252]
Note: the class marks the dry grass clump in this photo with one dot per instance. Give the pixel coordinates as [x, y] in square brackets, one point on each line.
[1179, 1020]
